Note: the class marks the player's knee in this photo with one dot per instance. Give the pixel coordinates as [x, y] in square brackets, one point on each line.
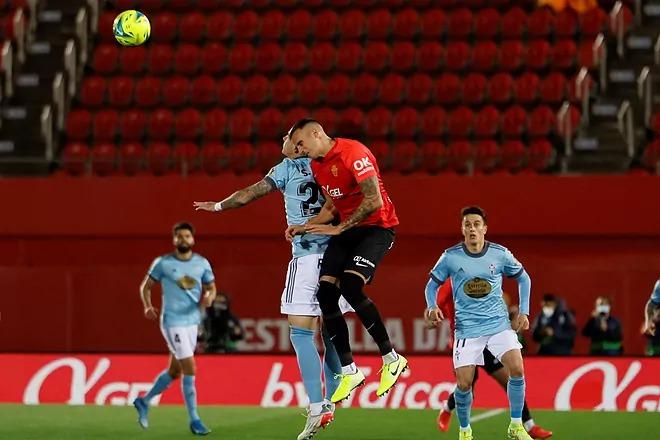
[351, 289]
[174, 373]
[328, 279]
[517, 370]
[464, 384]
[328, 297]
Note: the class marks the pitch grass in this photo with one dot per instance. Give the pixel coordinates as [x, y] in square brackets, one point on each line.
[18, 422]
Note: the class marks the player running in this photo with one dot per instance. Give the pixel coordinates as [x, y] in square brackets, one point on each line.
[348, 173]
[492, 366]
[187, 280]
[302, 200]
[482, 320]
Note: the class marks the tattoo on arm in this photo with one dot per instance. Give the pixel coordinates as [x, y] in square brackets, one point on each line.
[246, 195]
[370, 203]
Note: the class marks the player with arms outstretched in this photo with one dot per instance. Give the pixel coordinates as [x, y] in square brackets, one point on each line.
[187, 282]
[482, 321]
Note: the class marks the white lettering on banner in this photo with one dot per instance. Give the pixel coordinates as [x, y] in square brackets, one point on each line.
[80, 385]
[648, 405]
[611, 389]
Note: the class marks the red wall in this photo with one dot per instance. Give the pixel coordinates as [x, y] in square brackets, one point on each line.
[73, 251]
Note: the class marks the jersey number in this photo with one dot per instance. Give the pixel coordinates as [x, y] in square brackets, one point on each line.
[306, 208]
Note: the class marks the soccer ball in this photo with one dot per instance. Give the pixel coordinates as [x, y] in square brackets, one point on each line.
[131, 28]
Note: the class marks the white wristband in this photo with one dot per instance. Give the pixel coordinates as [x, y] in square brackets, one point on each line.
[217, 207]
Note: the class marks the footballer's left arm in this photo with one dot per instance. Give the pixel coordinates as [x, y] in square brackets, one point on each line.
[209, 293]
[524, 293]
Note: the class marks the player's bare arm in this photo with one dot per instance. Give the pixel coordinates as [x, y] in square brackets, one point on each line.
[150, 312]
[238, 199]
[327, 214]
[650, 314]
[209, 293]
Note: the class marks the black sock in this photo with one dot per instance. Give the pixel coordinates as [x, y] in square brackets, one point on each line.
[328, 296]
[526, 415]
[351, 289]
[451, 402]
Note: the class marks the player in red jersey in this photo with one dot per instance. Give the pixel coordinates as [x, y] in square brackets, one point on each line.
[492, 366]
[348, 173]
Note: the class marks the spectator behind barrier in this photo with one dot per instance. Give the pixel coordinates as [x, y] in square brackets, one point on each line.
[221, 327]
[604, 330]
[554, 329]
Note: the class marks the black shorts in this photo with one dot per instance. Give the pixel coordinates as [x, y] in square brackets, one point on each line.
[491, 364]
[359, 249]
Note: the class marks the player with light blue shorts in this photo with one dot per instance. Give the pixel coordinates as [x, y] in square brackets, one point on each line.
[476, 267]
[303, 200]
[188, 283]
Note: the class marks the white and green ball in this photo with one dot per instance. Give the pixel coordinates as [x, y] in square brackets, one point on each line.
[131, 28]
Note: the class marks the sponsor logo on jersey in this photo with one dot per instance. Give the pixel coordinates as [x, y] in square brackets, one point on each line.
[363, 262]
[477, 288]
[334, 192]
[186, 282]
[363, 166]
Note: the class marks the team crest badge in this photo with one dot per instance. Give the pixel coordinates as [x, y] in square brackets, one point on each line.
[334, 170]
[492, 268]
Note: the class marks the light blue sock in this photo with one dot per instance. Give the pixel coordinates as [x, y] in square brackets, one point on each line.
[331, 366]
[515, 389]
[162, 382]
[190, 396]
[309, 362]
[463, 406]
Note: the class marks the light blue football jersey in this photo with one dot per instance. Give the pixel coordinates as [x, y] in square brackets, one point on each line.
[655, 296]
[181, 282]
[303, 199]
[477, 287]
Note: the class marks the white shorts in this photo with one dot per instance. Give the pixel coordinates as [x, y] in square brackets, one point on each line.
[180, 340]
[471, 351]
[302, 282]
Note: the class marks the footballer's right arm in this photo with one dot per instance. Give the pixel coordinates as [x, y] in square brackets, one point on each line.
[240, 198]
[327, 214]
[150, 312]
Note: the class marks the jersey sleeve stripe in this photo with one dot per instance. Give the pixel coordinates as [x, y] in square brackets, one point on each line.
[271, 182]
[436, 279]
[517, 274]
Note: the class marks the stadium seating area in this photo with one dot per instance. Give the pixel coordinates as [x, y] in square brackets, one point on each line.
[428, 85]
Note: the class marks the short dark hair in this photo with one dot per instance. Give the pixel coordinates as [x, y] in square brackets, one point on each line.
[549, 297]
[183, 226]
[301, 124]
[474, 210]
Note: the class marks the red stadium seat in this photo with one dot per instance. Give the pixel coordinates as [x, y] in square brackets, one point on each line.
[105, 125]
[651, 156]
[215, 124]
[176, 91]
[349, 57]
[538, 54]
[311, 90]
[92, 91]
[514, 122]
[485, 55]
[564, 55]
[500, 88]
[328, 119]
[241, 58]
[295, 57]
[159, 158]
[164, 27]
[553, 88]
[474, 89]
[183, 5]
[220, 26]
[298, 25]
[352, 24]
[434, 24]
[186, 157]
[655, 123]
[133, 125]
[131, 158]
[147, 92]
[512, 155]
[351, 121]
[405, 122]
[434, 122]
[487, 24]
[246, 25]
[269, 58]
[272, 25]
[187, 59]
[486, 155]
[433, 156]
[586, 55]
[283, 90]
[566, 25]
[447, 88]
[378, 122]
[511, 56]
[74, 158]
[326, 25]
[133, 60]
[575, 122]
[78, 124]
[406, 24]
[487, 122]
[256, 90]
[541, 23]
[203, 91]
[459, 23]
[104, 158]
[460, 122]
[627, 21]
[293, 115]
[391, 89]
[381, 151]
[161, 124]
[161, 58]
[214, 58]
[365, 88]
[527, 88]
[430, 56]
[241, 157]
[105, 59]
[541, 121]
[376, 56]
[323, 57]
[540, 155]
[270, 123]
[405, 156]
[106, 19]
[268, 153]
[241, 124]
[214, 158]
[513, 24]
[379, 24]
[419, 89]
[458, 56]
[593, 22]
[192, 27]
[459, 155]
[155, 5]
[403, 56]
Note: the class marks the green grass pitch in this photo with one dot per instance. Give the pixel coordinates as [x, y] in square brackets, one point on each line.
[18, 422]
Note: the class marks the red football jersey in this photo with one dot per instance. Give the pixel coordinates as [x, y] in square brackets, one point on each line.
[340, 172]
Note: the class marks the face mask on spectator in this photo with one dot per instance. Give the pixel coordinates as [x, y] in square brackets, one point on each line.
[603, 309]
[548, 311]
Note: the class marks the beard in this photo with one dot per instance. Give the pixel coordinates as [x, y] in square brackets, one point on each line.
[183, 248]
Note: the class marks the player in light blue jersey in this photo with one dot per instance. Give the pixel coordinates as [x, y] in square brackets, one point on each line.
[652, 310]
[476, 267]
[303, 200]
[187, 283]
